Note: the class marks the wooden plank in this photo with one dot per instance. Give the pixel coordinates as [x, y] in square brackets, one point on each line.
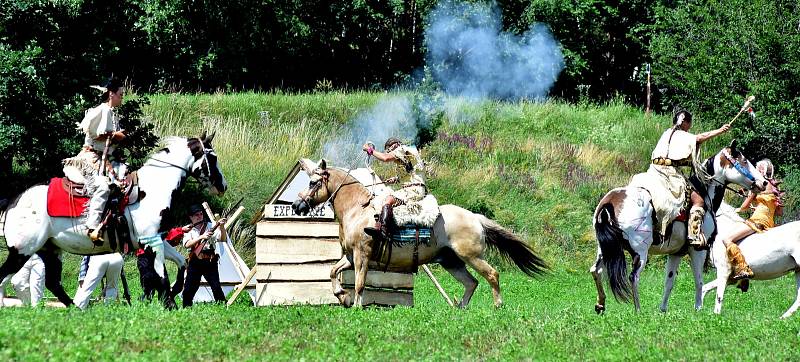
[315, 229]
[285, 212]
[241, 287]
[294, 293]
[294, 272]
[385, 297]
[379, 279]
[297, 250]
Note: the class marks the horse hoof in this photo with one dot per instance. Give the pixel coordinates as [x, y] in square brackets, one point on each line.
[169, 304]
[599, 308]
[346, 301]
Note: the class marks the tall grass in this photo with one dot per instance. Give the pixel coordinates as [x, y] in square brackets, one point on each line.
[537, 167]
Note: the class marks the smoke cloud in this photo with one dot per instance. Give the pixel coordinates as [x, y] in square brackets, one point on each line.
[472, 57]
[473, 60]
[390, 117]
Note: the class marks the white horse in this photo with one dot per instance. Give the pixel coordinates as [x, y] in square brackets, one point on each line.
[29, 229]
[624, 220]
[771, 254]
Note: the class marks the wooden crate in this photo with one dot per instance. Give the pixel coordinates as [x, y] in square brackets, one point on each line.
[295, 255]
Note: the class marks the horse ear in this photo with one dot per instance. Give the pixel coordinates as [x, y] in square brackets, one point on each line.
[203, 136]
[210, 138]
[733, 145]
[323, 164]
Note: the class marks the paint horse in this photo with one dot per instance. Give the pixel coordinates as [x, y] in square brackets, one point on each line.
[29, 229]
[459, 237]
[624, 220]
[771, 254]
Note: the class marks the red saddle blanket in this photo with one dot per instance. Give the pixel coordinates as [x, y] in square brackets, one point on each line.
[60, 203]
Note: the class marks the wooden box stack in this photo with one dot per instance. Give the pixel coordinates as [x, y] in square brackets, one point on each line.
[295, 255]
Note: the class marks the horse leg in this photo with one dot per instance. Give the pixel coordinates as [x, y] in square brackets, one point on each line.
[13, 264]
[171, 254]
[338, 291]
[721, 284]
[597, 271]
[673, 262]
[707, 288]
[639, 261]
[52, 276]
[490, 274]
[361, 262]
[460, 272]
[796, 304]
[698, 258]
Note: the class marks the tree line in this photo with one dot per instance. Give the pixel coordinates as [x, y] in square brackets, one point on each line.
[704, 55]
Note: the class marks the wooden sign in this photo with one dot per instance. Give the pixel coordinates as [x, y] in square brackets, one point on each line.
[284, 211]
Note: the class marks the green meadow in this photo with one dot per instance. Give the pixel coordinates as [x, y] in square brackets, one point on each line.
[538, 168]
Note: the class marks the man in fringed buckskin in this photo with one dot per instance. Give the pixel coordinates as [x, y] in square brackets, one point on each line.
[676, 152]
[101, 128]
[410, 174]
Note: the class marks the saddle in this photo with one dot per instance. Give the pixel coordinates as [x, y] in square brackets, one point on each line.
[65, 198]
[68, 198]
[114, 220]
[402, 236]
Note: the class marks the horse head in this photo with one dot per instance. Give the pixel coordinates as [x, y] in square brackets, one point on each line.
[731, 166]
[317, 191]
[205, 167]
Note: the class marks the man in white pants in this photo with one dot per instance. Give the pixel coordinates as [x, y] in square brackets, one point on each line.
[28, 282]
[106, 265]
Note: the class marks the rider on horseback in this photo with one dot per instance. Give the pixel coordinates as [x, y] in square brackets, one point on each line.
[766, 205]
[410, 172]
[102, 132]
[677, 149]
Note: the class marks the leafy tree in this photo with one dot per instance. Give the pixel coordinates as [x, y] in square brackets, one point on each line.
[710, 55]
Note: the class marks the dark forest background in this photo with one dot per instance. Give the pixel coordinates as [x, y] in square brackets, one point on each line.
[704, 55]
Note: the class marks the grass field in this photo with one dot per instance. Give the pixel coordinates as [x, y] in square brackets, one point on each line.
[548, 319]
[536, 168]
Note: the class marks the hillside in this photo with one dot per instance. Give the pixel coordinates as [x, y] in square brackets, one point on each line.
[536, 167]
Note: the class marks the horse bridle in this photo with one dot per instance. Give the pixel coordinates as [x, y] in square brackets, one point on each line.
[197, 155]
[324, 177]
[741, 169]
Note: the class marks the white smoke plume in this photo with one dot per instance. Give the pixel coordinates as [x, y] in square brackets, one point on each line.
[471, 56]
[391, 116]
[473, 60]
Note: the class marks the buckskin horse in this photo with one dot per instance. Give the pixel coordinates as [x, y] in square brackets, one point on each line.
[459, 237]
[624, 220]
[29, 228]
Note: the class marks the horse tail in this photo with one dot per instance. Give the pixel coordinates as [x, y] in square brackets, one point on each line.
[512, 248]
[610, 238]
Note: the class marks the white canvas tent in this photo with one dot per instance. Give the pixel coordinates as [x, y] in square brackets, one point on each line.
[232, 272]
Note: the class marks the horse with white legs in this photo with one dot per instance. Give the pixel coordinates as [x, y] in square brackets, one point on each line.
[771, 254]
[625, 220]
[459, 237]
[29, 228]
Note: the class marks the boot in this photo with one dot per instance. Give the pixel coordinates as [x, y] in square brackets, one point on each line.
[695, 227]
[381, 229]
[740, 268]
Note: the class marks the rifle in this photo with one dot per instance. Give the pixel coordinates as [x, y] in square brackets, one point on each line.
[233, 217]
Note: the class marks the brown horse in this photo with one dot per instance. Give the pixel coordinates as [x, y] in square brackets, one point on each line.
[459, 237]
